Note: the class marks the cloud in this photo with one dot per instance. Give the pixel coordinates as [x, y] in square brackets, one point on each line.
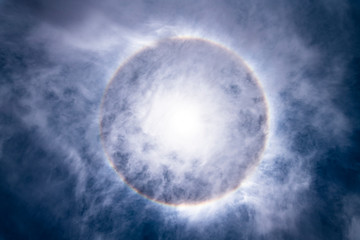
[57, 58]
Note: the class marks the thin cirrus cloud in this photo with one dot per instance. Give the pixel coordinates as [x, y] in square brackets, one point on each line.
[57, 58]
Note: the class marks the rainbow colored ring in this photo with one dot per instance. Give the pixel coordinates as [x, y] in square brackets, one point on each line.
[260, 152]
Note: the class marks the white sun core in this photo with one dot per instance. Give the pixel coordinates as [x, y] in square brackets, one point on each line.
[182, 122]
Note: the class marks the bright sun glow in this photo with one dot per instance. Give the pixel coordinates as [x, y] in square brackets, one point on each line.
[179, 122]
[182, 120]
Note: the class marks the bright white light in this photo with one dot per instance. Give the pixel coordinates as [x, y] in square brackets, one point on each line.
[182, 122]
[174, 121]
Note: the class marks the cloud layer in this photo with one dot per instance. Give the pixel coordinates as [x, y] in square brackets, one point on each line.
[56, 59]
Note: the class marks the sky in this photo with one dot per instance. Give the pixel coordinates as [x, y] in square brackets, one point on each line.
[57, 59]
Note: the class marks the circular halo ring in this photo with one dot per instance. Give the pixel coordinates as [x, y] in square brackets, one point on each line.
[250, 170]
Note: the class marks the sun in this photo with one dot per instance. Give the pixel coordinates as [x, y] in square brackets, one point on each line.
[184, 121]
[176, 122]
